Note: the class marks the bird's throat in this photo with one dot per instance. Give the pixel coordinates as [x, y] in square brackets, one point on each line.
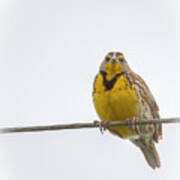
[110, 79]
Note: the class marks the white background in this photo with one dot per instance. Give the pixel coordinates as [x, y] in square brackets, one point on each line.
[50, 52]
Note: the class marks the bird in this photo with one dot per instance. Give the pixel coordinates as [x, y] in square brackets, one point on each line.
[121, 94]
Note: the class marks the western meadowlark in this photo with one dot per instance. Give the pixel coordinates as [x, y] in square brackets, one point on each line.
[120, 94]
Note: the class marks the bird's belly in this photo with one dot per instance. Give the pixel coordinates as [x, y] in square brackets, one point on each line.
[117, 105]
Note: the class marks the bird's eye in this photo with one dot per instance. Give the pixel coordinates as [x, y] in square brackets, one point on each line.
[107, 58]
[121, 58]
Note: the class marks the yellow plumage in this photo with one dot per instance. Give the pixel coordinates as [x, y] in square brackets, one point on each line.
[116, 104]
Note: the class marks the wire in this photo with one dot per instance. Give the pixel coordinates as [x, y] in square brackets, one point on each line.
[95, 124]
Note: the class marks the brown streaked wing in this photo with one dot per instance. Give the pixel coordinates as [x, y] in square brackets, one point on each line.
[136, 79]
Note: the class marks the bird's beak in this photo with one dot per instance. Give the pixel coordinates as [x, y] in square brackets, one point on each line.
[114, 60]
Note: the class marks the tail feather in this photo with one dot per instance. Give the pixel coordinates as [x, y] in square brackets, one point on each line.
[149, 150]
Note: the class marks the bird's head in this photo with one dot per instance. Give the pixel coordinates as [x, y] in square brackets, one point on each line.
[114, 63]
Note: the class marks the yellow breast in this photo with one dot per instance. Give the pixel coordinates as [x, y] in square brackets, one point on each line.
[116, 104]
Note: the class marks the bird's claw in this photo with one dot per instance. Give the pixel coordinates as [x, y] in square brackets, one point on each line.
[102, 125]
[133, 124]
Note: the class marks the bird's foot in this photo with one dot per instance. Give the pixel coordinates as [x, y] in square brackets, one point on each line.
[102, 125]
[133, 126]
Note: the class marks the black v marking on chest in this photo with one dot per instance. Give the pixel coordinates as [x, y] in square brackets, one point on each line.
[110, 84]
